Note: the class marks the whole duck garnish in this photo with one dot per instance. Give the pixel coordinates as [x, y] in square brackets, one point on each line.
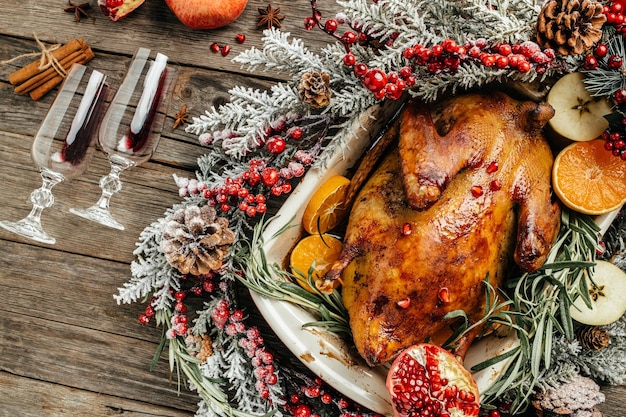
[466, 191]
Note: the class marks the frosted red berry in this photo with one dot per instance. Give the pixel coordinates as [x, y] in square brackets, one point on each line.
[375, 80]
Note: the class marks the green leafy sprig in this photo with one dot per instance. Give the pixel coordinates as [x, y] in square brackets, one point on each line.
[270, 280]
[542, 299]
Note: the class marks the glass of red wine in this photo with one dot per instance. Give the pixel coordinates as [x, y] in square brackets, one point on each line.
[131, 127]
[64, 143]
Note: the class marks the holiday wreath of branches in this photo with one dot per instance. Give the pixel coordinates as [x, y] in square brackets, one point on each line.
[262, 142]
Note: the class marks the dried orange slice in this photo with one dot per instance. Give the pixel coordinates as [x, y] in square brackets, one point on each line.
[317, 251]
[326, 208]
[589, 179]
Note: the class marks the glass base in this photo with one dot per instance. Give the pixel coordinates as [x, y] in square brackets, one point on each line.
[28, 228]
[98, 215]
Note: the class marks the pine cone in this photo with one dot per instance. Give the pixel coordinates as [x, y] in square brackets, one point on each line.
[570, 27]
[199, 347]
[577, 397]
[195, 240]
[593, 337]
[314, 89]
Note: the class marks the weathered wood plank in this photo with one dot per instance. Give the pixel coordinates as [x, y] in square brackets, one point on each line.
[153, 26]
[25, 397]
[84, 359]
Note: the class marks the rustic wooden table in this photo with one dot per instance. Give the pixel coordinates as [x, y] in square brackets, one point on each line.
[66, 347]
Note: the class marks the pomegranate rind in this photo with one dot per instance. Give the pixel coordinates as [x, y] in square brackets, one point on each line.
[118, 12]
[444, 384]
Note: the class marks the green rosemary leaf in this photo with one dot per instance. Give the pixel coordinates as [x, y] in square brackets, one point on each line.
[566, 320]
[492, 361]
[567, 264]
[296, 291]
[537, 347]
[455, 314]
[547, 341]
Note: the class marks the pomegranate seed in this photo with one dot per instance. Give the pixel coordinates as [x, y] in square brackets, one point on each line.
[225, 50]
[477, 190]
[444, 295]
[406, 303]
[495, 185]
[406, 229]
[240, 38]
[492, 167]
[215, 47]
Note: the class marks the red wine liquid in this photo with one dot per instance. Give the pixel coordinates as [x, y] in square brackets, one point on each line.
[137, 140]
[77, 143]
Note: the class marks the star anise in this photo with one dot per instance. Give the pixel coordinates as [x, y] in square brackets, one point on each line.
[270, 17]
[79, 10]
[181, 117]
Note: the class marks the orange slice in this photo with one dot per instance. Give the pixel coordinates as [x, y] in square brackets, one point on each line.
[326, 209]
[589, 179]
[317, 251]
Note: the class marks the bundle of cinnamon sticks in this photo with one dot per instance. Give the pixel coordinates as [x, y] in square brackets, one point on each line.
[36, 82]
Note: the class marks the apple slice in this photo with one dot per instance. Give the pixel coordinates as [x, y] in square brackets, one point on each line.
[608, 296]
[578, 115]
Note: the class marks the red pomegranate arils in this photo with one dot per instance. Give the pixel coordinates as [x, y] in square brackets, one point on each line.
[418, 388]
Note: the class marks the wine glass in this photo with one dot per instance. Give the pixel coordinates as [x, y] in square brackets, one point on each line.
[131, 126]
[64, 143]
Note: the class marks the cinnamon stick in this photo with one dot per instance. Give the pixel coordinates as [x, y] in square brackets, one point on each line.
[41, 90]
[45, 76]
[32, 69]
[30, 79]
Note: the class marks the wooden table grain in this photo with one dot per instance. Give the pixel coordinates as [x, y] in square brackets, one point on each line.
[66, 347]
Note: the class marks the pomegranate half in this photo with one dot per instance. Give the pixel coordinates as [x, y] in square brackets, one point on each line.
[117, 9]
[427, 380]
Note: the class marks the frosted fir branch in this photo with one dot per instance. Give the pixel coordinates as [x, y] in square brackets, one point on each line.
[246, 115]
[280, 54]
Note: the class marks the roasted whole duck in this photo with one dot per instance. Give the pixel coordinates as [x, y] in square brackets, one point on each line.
[464, 193]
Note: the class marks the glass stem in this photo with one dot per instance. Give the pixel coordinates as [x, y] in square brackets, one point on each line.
[110, 185]
[42, 198]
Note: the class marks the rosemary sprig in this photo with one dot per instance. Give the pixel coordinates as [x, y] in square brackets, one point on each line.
[270, 280]
[542, 300]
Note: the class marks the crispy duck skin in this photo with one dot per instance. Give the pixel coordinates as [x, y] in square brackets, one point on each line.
[453, 204]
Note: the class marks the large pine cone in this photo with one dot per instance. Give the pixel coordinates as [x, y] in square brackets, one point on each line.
[577, 397]
[570, 27]
[314, 89]
[592, 337]
[195, 240]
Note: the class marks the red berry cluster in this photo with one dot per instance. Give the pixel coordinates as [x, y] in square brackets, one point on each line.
[616, 141]
[245, 192]
[615, 12]
[201, 284]
[302, 403]
[445, 56]
[248, 191]
[600, 55]
[262, 360]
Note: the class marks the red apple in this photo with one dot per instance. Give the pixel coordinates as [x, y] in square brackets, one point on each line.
[206, 14]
